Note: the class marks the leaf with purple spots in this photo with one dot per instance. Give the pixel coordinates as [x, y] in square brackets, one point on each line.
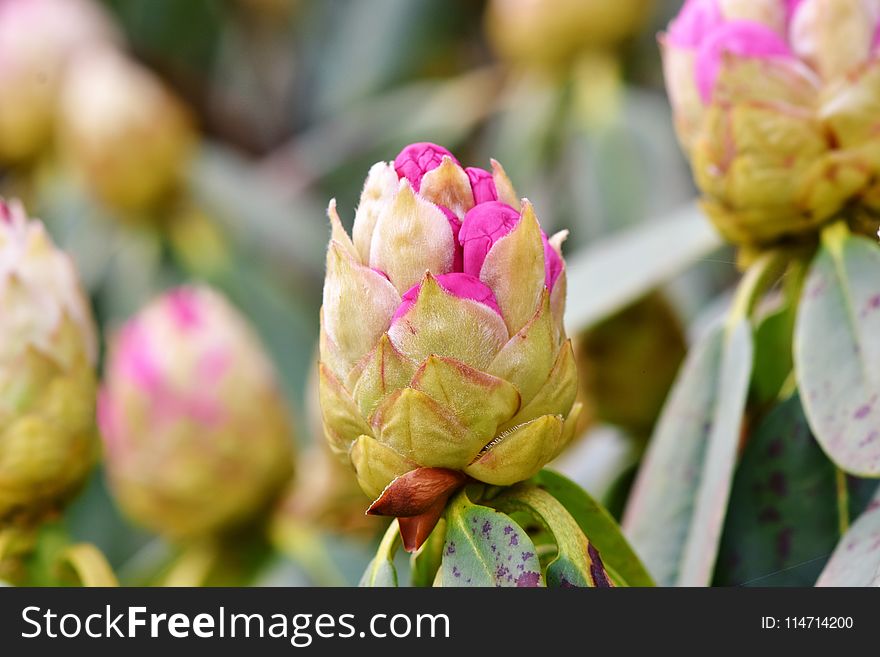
[598, 525]
[782, 520]
[577, 562]
[837, 350]
[472, 531]
[856, 559]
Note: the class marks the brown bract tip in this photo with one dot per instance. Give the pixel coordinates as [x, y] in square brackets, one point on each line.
[417, 500]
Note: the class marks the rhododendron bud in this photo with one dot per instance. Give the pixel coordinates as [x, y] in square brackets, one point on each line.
[551, 32]
[47, 384]
[196, 433]
[431, 371]
[774, 104]
[126, 134]
[38, 38]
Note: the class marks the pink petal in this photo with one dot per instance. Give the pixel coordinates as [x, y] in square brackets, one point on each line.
[463, 286]
[455, 225]
[484, 225]
[791, 7]
[415, 160]
[482, 184]
[552, 263]
[694, 23]
[487, 223]
[740, 38]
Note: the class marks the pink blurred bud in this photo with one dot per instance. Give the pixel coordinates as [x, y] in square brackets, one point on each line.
[463, 286]
[697, 19]
[741, 38]
[415, 160]
[195, 427]
[482, 184]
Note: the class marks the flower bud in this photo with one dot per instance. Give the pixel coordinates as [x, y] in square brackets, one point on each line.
[122, 130]
[47, 384]
[325, 491]
[435, 368]
[552, 32]
[774, 104]
[196, 433]
[37, 40]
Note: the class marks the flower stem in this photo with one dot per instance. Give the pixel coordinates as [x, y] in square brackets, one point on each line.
[89, 564]
[763, 273]
[193, 566]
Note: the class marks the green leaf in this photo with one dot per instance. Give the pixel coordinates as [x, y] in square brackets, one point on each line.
[773, 339]
[774, 335]
[856, 559]
[837, 350]
[577, 563]
[381, 571]
[632, 263]
[598, 526]
[486, 548]
[782, 521]
[676, 511]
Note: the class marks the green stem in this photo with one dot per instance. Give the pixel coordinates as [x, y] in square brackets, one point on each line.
[762, 274]
[89, 564]
[842, 501]
[384, 555]
[194, 566]
[834, 235]
[303, 545]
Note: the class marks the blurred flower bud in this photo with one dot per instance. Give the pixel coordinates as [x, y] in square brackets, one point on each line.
[775, 104]
[47, 385]
[126, 134]
[196, 433]
[325, 491]
[627, 364]
[434, 368]
[553, 32]
[37, 40]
